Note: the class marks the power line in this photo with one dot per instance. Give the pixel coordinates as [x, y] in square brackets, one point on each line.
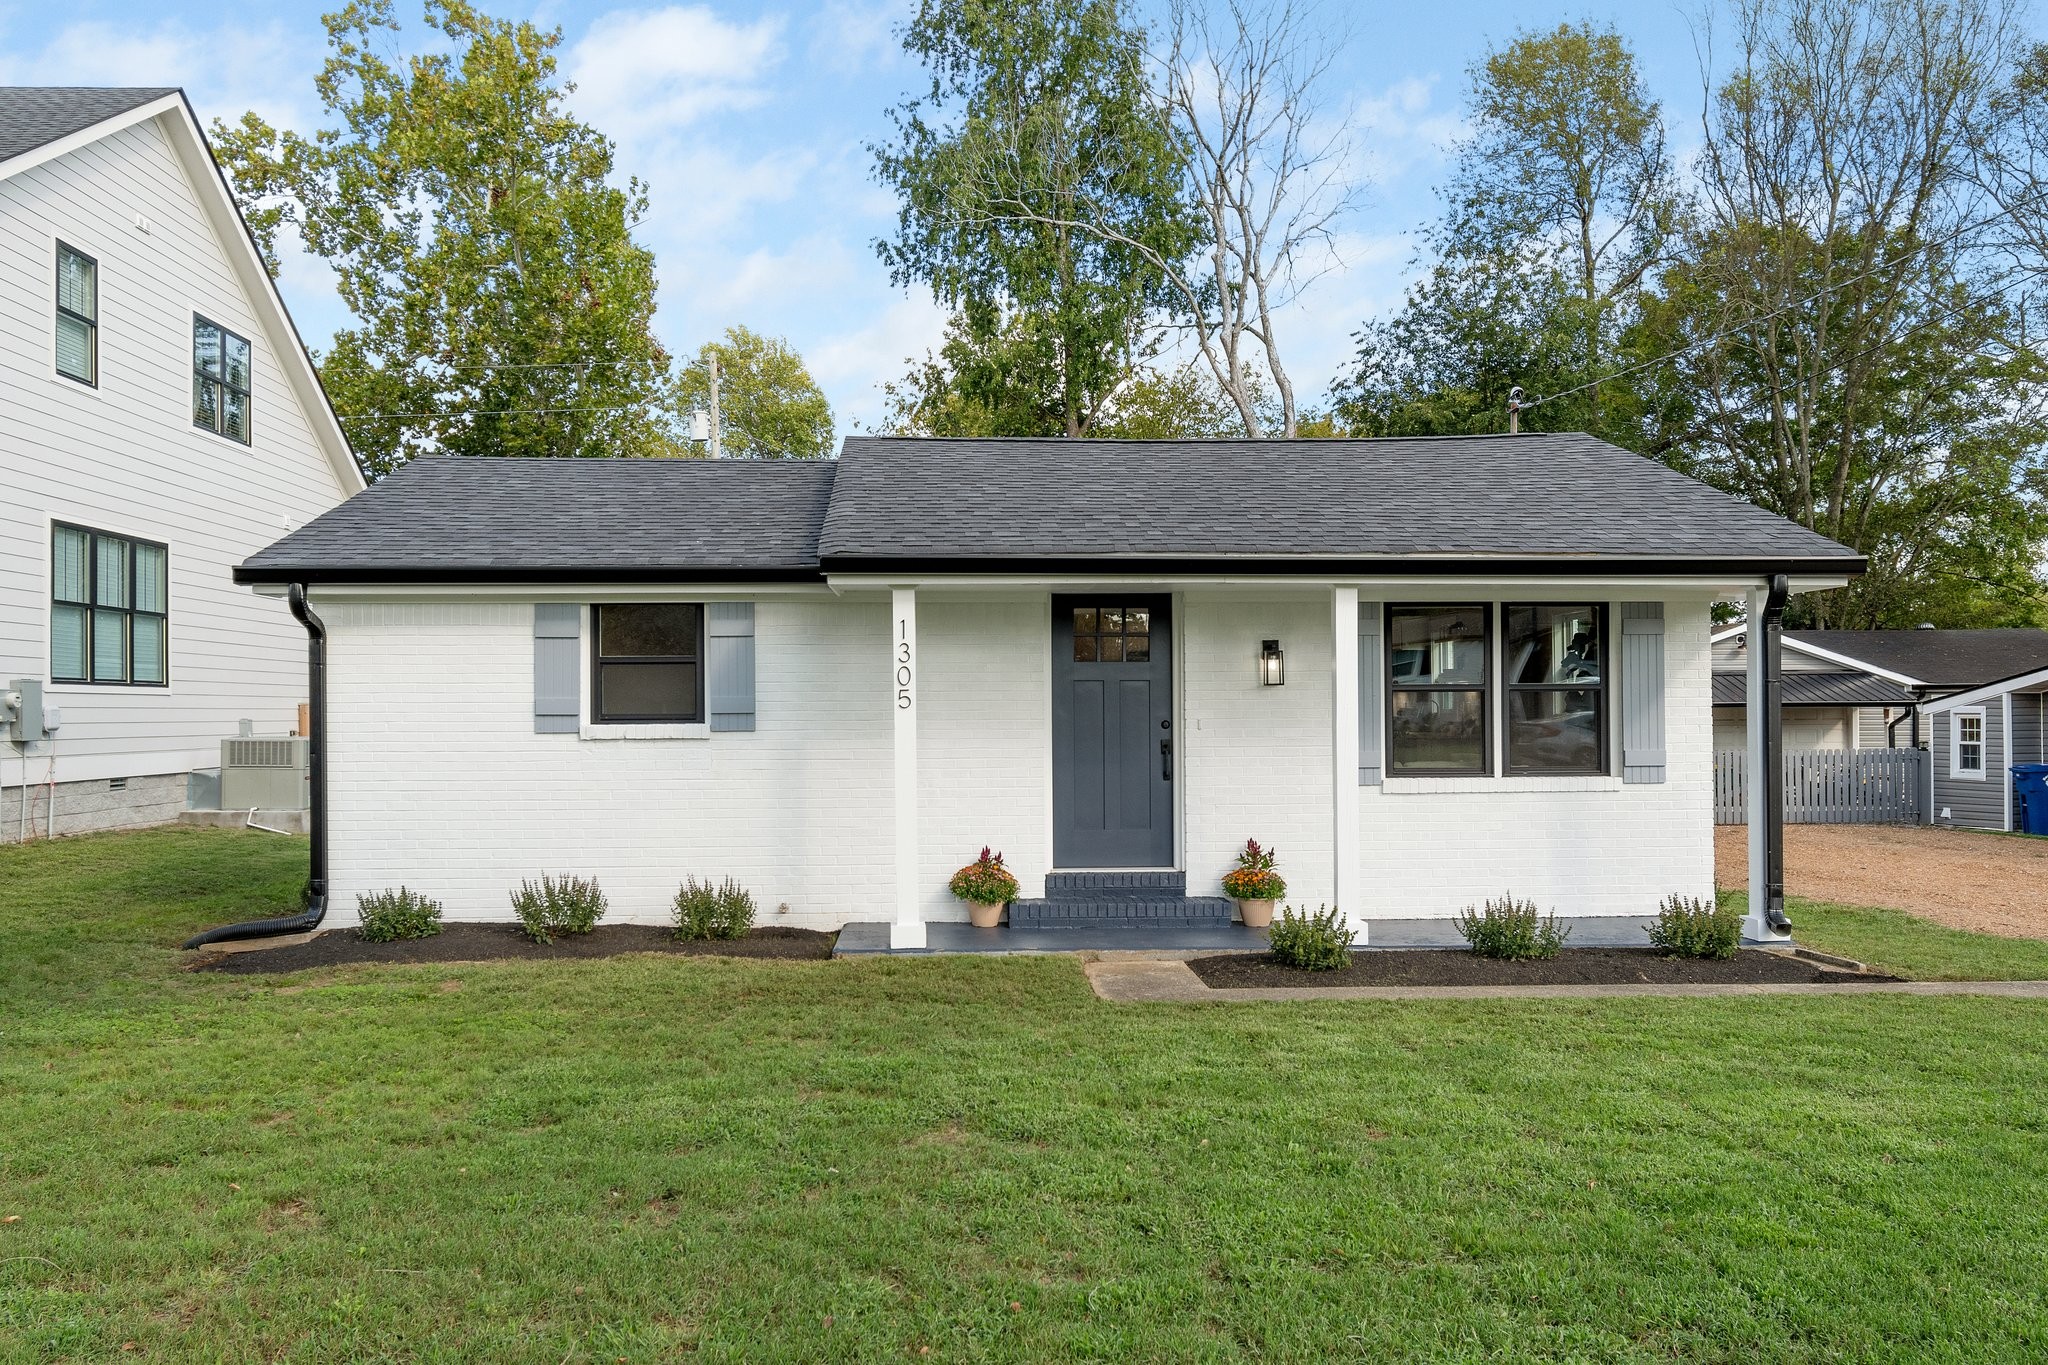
[1822, 292]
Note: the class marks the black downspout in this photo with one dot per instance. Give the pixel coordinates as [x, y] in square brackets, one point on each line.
[316, 763]
[1774, 756]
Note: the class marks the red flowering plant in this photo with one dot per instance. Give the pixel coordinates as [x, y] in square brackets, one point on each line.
[985, 881]
[1253, 879]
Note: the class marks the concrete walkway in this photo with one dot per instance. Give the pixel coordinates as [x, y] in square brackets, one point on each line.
[1137, 981]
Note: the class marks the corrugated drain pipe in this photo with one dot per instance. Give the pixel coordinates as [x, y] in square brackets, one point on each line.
[1774, 755]
[316, 760]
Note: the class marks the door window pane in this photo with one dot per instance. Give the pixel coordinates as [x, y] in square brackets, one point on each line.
[1111, 649]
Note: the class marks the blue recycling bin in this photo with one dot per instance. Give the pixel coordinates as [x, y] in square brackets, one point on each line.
[2030, 790]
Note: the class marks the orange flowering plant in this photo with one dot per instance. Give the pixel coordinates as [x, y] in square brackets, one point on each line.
[985, 881]
[1253, 879]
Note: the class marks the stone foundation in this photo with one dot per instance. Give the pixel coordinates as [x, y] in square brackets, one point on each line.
[84, 807]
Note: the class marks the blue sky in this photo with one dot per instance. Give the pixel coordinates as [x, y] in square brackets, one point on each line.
[750, 124]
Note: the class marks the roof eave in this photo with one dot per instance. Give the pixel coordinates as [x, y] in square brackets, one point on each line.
[257, 575]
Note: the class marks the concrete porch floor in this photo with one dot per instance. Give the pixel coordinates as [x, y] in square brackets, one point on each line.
[855, 940]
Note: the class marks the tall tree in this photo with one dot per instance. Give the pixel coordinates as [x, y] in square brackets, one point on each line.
[1005, 382]
[1839, 319]
[501, 304]
[1060, 85]
[769, 407]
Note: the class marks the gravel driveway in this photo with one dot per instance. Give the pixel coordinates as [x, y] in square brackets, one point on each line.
[1966, 879]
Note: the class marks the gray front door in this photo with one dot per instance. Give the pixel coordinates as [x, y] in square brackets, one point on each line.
[1112, 732]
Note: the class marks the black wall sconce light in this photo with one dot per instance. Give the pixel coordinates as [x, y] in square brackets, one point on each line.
[1272, 664]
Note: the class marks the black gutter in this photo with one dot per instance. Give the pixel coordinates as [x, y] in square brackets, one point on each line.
[250, 575]
[316, 762]
[1774, 757]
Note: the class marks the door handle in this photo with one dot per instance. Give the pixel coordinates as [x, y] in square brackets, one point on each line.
[1166, 760]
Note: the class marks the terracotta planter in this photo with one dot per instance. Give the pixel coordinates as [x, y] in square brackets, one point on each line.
[985, 916]
[1256, 914]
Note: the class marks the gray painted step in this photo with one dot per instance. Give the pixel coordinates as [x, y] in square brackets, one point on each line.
[1114, 886]
[1158, 910]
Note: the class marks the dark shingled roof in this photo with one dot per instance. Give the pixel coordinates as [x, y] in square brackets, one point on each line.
[1817, 689]
[32, 115]
[1561, 503]
[447, 517]
[1562, 497]
[1938, 658]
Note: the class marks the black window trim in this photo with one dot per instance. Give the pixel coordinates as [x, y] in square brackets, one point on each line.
[92, 607]
[598, 659]
[1605, 688]
[1488, 691]
[219, 424]
[92, 324]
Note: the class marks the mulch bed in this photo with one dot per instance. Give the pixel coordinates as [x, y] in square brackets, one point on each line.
[496, 942]
[1572, 967]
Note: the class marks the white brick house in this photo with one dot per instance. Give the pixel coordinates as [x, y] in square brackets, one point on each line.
[159, 422]
[837, 681]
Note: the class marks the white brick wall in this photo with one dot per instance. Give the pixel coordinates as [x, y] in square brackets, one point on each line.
[438, 781]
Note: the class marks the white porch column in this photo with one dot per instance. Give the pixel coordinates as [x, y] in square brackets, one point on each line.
[907, 929]
[1756, 798]
[1344, 756]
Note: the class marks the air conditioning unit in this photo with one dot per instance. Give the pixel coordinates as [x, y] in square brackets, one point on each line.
[264, 774]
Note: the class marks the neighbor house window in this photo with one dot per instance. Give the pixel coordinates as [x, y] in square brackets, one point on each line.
[1437, 688]
[1556, 688]
[109, 609]
[1968, 758]
[220, 380]
[649, 663]
[78, 315]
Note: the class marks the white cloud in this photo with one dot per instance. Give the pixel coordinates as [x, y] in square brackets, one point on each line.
[642, 73]
[852, 365]
[224, 70]
[848, 36]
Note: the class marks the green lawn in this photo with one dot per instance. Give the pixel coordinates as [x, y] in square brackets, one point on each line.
[864, 1160]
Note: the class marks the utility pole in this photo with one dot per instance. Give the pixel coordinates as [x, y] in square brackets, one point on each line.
[717, 437]
[1514, 405]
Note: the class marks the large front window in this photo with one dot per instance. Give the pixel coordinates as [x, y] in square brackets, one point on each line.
[109, 609]
[649, 663]
[1556, 688]
[1438, 686]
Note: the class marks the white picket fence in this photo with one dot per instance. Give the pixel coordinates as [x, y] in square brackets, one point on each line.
[1831, 786]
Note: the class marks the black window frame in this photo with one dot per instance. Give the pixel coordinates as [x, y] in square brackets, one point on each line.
[92, 608]
[219, 425]
[1509, 687]
[1488, 693]
[598, 659]
[92, 324]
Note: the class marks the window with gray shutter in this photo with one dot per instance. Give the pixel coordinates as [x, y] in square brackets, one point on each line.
[729, 661]
[1642, 692]
[1372, 722]
[557, 667]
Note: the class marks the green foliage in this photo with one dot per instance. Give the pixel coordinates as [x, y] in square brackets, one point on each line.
[1253, 879]
[1319, 942]
[1036, 110]
[1690, 927]
[985, 881]
[769, 406]
[392, 915]
[706, 911]
[554, 907]
[1511, 929]
[476, 237]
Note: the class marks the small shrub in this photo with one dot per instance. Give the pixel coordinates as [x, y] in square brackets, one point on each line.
[1511, 929]
[1689, 927]
[1253, 879]
[985, 881]
[392, 915]
[707, 911]
[570, 905]
[1314, 943]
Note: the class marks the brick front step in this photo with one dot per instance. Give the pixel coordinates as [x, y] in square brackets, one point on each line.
[1115, 886]
[1121, 910]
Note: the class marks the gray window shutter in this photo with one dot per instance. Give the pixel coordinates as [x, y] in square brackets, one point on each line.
[1642, 692]
[1371, 682]
[557, 667]
[729, 651]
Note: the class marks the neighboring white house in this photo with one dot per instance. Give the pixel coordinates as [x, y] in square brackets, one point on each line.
[159, 421]
[1426, 671]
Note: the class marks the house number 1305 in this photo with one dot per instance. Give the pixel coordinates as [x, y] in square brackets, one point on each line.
[903, 672]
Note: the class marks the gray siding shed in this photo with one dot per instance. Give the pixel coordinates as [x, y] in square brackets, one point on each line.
[1978, 804]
